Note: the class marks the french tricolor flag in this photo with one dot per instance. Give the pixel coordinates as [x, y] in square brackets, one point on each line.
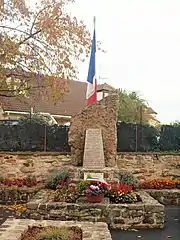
[91, 94]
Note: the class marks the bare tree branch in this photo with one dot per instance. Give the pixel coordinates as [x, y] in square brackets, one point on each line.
[30, 36]
[14, 29]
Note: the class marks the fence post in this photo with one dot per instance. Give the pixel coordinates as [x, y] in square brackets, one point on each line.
[140, 128]
[45, 138]
[136, 149]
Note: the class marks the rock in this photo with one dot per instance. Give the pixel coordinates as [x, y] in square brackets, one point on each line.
[11, 175]
[172, 172]
[25, 169]
[49, 161]
[28, 163]
[11, 161]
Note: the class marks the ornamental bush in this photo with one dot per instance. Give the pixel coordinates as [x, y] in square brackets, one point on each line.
[128, 178]
[56, 177]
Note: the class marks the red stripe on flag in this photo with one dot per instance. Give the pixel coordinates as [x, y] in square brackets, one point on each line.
[93, 98]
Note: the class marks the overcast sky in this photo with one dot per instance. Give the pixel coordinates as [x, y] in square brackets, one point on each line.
[142, 39]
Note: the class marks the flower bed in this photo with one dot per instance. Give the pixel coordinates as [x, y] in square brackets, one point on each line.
[122, 193]
[17, 229]
[146, 214]
[29, 181]
[95, 190]
[166, 191]
[18, 190]
[66, 190]
[160, 184]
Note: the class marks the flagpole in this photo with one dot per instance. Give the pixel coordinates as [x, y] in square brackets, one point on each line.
[91, 93]
[94, 22]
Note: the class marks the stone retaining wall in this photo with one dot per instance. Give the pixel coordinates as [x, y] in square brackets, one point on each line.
[13, 228]
[146, 214]
[166, 197]
[17, 195]
[142, 165]
[150, 165]
[23, 164]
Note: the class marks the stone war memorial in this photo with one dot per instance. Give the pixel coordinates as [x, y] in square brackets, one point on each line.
[88, 191]
[93, 138]
[84, 134]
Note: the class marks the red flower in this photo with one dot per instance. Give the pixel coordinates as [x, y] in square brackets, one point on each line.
[121, 187]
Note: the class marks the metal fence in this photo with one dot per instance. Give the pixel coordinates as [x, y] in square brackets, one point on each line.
[131, 138]
[34, 137]
[137, 138]
[145, 138]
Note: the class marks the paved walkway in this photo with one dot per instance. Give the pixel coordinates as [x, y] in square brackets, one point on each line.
[171, 230]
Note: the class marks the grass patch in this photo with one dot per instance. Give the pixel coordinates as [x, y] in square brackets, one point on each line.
[52, 233]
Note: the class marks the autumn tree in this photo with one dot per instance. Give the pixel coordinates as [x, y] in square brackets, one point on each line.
[40, 47]
[132, 108]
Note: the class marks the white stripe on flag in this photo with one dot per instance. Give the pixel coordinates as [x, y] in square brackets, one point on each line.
[90, 88]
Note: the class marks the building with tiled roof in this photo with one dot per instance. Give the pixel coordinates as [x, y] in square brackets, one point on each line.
[73, 102]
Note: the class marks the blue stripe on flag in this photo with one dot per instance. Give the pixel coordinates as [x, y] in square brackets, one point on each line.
[92, 64]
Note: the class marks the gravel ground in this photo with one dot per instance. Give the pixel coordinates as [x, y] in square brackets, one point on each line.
[171, 230]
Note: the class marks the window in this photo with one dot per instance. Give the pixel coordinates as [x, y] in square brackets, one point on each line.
[99, 96]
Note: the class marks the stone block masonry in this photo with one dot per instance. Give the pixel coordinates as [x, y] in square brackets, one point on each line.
[143, 165]
[17, 195]
[22, 164]
[166, 197]
[93, 150]
[146, 214]
[13, 228]
[102, 115]
[147, 166]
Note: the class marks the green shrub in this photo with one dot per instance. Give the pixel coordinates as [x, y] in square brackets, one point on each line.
[83, 186]
[128, 178]
[55, 177]
[56, 234]
[35, 118]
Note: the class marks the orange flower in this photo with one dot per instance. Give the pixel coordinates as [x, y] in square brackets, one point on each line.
[160, 184]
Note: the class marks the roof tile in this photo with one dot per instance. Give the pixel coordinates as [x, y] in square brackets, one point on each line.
[73, 102]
